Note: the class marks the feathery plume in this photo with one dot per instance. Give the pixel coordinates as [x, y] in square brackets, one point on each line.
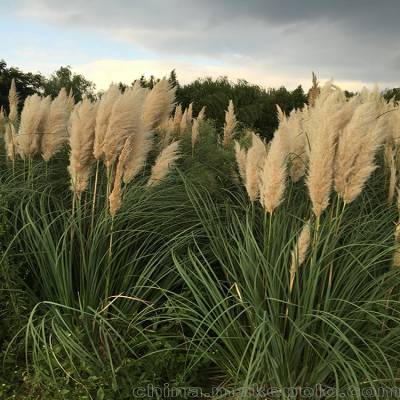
[195, 132]
[322, 137]
[139, 146]
[177, 118]
[164, 162]
[299, 252]
[106, 104]
[13, 100]
[83, 120]
[273, 175]
[392, 177]
[9, 141]
[241, 159]
[356, 151]
[158, 105]
[184, 122]
[70, 101]
[313, 92]
[125, 120]
[55, 130]
[254, 161]
[230, 124]
[28, 137]
[202, 113]
[189, 115]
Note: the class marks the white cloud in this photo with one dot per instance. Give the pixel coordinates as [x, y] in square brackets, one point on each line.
[104, 72]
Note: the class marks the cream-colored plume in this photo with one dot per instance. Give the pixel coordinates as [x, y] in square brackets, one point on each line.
[241, 158]
[184, 122]
[158, 105]
[254, 162]
[140, 145]
[195, 132]
[299, 252]
[125, 120]
[230, 124]
[202, 113]
[322, 135]
[83, 120]
[9, 141]
[106, 104]
[292, 128]
[13, 101]
[56, 128]
[356, 150]
[273, 174]
[28, 138]
[392, 175]
[189, 115]
[314, 91]
[177, 118]
[164, 163]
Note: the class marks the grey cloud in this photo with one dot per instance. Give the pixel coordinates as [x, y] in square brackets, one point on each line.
[347, 39]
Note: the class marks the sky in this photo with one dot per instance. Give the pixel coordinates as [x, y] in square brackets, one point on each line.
[267, 42]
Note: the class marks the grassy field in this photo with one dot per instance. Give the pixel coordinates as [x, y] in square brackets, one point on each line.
[142, 249]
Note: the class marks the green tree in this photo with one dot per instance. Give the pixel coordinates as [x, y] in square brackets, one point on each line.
[26, 83]
[76, 83]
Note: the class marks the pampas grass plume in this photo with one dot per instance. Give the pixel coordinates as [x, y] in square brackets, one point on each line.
[299, 252]
[195, 132]
[55, 131]
[202, 113]
[28, 138]
[254, 161]
[241, 157]
[177, 118]
[13, 100]
[106, 104]
[125, 120]
[230, 124]
[81, 158]
[164, 162]
[158, 105]
[273, 175]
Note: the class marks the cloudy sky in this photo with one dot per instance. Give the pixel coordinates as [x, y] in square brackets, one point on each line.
[269, 42]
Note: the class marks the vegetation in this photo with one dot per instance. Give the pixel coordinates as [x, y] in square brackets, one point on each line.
[146, 247]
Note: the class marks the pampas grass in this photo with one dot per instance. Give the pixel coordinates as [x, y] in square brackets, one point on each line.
[322, 142]
[140, 145]
[177, 118]
[106, 104]
[165, 161]
[13, 100]
[56, 128]
[392, 176]
[83, 120]
[356, 150]
[241, 157]
[230, 124]
[158, 105]
[125, 120]
[253, 163]
[184, 122]
[195, 133]
[202, 114]
[273, 174]
[28, 138]
[299, 253]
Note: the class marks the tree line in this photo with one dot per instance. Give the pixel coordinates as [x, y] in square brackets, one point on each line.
[255, 106]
